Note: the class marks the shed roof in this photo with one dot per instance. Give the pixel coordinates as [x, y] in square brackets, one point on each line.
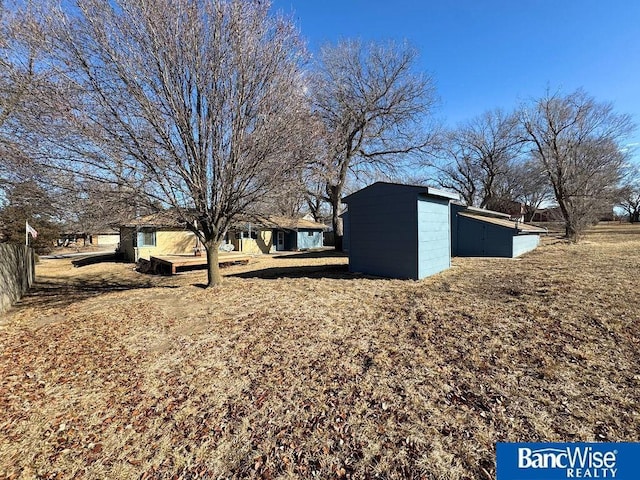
[419, 190]
[503, 222]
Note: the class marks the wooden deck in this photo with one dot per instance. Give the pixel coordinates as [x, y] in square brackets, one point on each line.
[169, 264]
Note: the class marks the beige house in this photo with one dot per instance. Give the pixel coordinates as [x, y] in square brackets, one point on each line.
[156, 234]
[162, 234]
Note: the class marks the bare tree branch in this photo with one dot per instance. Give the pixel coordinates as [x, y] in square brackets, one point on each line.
[577, 143]
[373, 109]
[197, 103]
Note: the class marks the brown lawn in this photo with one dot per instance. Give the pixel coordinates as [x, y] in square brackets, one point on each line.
[295, 368]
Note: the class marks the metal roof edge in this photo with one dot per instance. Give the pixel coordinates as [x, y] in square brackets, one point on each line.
[434, 192]
[520, 227]
[430, 191]
[487, 213]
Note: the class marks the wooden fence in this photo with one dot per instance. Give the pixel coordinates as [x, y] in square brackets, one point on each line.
[17, 273]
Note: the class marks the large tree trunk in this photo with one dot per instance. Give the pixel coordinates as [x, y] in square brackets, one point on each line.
[570, 230]
[336, 222]
[528, 214]
[213, 267]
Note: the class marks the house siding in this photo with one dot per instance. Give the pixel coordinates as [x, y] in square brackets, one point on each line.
[525, 243]
[306, 241]
[434, 240]
[107, 239]
[168, 242]
[262, 244]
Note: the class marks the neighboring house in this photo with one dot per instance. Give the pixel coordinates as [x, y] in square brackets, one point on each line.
[514, 210]
[398, 231]
[99, 237]
[477, 232]
[156, 234]
[277, 234]
[104, 237]
[552, 214]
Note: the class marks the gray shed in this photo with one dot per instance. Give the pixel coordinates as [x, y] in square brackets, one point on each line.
[398, 231]
[478, 232]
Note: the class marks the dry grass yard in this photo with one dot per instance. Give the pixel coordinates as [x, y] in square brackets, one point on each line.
[296, 369]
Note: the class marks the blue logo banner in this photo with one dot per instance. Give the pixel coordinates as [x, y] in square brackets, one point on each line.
[554, 461]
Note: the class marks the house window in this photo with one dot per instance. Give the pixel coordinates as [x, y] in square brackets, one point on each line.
[146, 237]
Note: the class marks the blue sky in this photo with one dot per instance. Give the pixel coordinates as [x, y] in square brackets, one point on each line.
[496, 53]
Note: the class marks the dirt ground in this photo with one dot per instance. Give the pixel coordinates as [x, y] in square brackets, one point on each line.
[295, 368]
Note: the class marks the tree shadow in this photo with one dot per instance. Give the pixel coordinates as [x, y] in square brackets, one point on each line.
[58, 292]
[110, 257]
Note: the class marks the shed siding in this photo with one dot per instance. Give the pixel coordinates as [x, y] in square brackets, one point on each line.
[480, 239]
[383, 236]
[476, 238]
[434, 243]
[346, 229]
[524, 243]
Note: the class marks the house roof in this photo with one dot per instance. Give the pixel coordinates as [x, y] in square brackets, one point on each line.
[288, 223]
[419, 190]
[170, 219]
[503, 222]
[165, 218]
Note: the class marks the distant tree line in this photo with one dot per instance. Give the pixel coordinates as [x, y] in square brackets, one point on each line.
[110, 109]
[562, 149]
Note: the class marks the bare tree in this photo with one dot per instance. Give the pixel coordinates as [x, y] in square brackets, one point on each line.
[478, 156]
[18, 79]
[196, 104]
[372, 108]
[458, 171]
[577, 141]
[630, 194]
[530, 186]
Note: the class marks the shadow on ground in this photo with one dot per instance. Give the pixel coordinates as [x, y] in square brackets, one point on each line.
[338, 272]
[57, 292]
[314, 254]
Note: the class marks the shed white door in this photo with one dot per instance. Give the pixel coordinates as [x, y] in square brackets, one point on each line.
[280, 240]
